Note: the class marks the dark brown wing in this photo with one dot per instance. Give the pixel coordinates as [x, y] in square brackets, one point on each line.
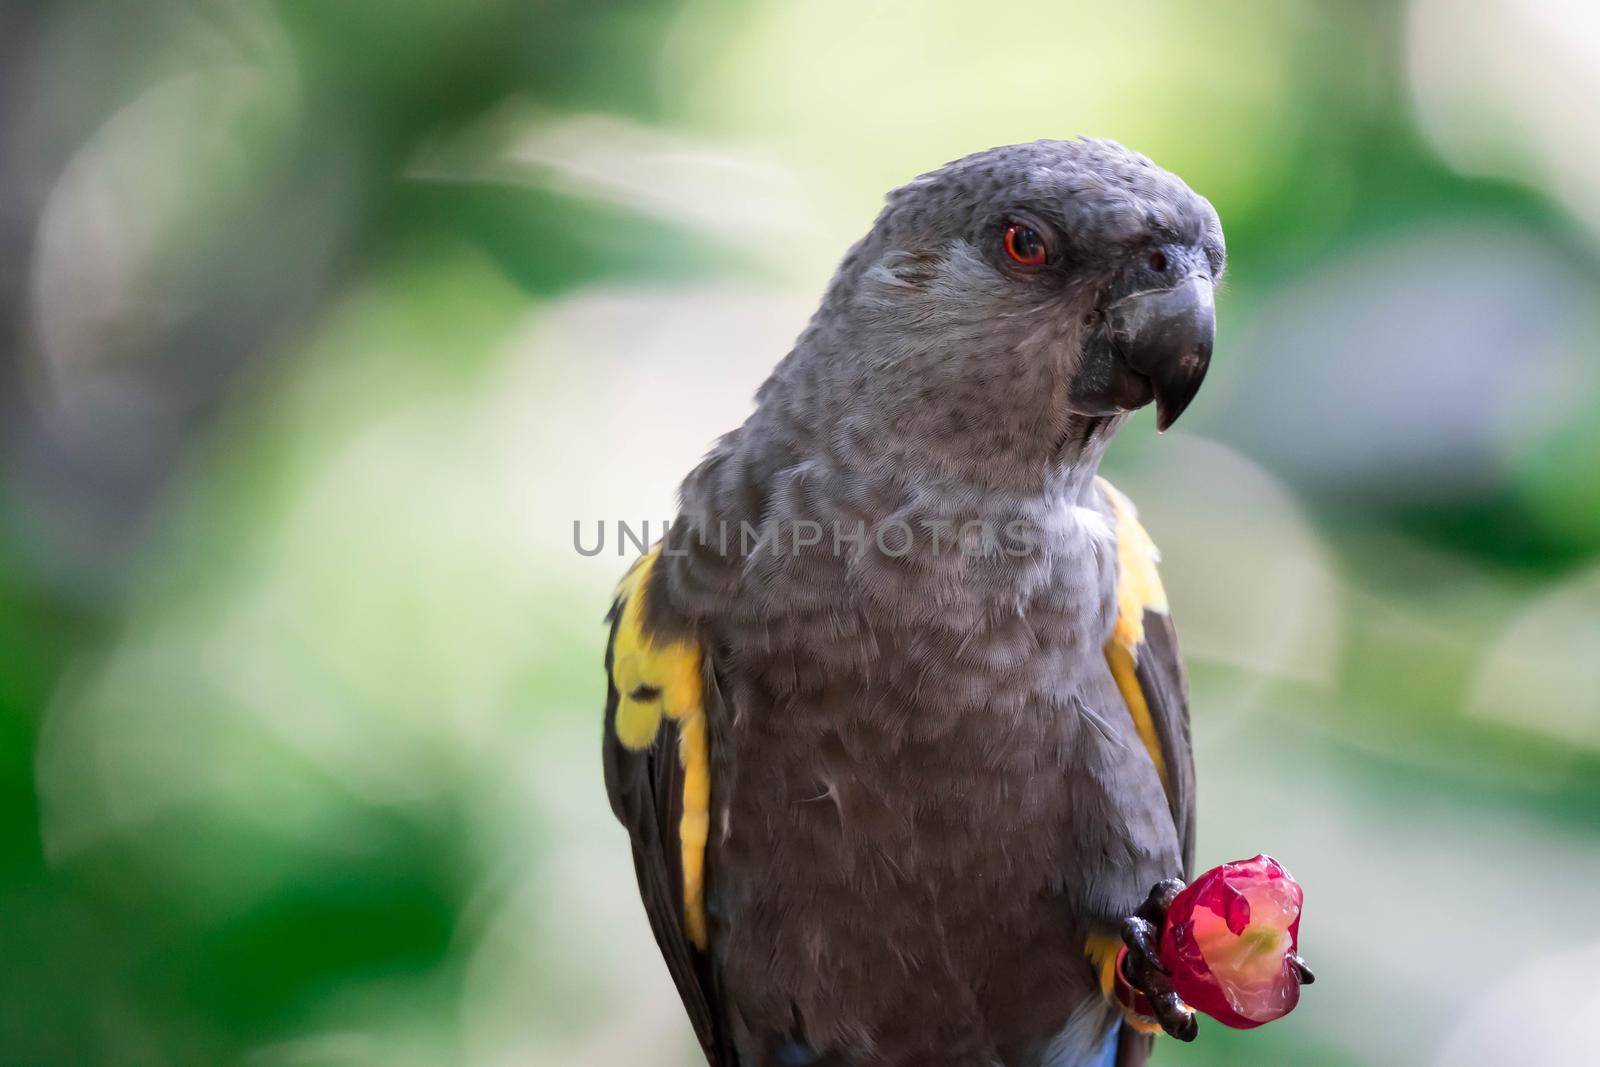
[1165, 687]
[1148, 668]
[1159, 668]
[646, 791]
[1144, 660]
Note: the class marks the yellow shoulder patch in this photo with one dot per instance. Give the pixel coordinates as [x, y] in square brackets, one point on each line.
[656, 680]
[1138, 591]
[1138, 582]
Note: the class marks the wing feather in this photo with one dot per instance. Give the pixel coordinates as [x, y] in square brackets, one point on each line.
[1145, 660]
[656, 758]
[1165, 686]
[1148, 667]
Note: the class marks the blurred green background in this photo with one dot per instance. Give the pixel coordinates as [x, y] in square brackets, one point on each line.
[323, 320]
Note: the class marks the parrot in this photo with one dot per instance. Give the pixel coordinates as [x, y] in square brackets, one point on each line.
[896, 718]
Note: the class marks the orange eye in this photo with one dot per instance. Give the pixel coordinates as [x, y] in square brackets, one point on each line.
[1024, 245]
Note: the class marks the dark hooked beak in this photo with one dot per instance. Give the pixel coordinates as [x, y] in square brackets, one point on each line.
[1166, 336]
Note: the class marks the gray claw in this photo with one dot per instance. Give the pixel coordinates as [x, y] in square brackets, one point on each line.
[1139, 935]
[1144, 971]
[1300, 969]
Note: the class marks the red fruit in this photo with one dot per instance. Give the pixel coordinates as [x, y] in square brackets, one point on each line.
[1228, 939]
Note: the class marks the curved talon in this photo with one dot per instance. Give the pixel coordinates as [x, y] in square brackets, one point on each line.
[1176, 1017]
[1301, 970]
[1141, 932]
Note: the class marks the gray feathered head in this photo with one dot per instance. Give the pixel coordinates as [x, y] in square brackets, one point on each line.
[1008, 309]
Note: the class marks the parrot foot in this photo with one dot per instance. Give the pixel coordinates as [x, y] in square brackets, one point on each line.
[1141, 932]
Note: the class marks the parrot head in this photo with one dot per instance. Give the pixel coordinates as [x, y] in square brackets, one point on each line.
[1018, 303]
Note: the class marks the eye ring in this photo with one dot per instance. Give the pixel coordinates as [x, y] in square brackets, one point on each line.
[1025, 245]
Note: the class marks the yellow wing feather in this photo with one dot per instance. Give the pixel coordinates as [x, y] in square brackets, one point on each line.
[656, 680]
[1138, 581]
[1138, 590]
